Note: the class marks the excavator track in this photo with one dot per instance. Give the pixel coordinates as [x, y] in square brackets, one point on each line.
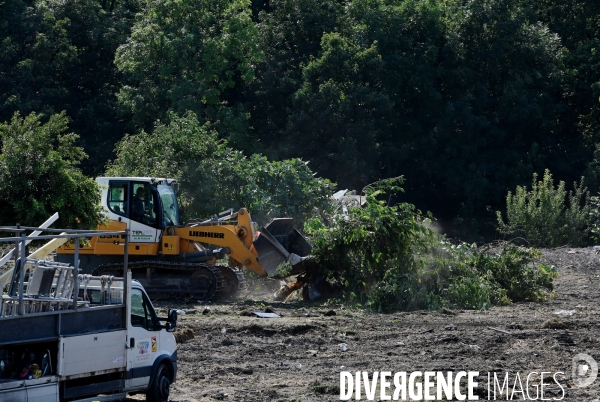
[234, 282]
[203, 282]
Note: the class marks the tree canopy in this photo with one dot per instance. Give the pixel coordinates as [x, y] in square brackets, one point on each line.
[213, 176]
[465, 99]
[189, 55]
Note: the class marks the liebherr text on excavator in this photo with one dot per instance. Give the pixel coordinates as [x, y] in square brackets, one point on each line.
[173, 259]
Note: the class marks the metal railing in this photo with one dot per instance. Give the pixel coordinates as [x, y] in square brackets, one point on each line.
[59, 282]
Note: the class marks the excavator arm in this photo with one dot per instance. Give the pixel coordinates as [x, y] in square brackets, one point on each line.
[238, 238]
[278, 242]
[224, 236]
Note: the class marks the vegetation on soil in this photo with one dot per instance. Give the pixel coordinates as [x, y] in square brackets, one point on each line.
[546, 216]
[386, 258]
[466, 99]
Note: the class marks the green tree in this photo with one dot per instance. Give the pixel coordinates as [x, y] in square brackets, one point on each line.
[213, 177]
[460, 99]
[359, 250]
[58, 55]
[340, 112]
[289, 33]
[189, 55]
[577, 23]
[357, 105]
[500, 85]
[36, 56]
[39, 174]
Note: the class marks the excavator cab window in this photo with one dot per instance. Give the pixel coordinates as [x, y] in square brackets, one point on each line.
[117, 198]
[169, 204]
[139, 201]
[144, 204]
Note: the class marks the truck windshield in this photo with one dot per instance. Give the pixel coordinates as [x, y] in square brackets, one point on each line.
[169, 202]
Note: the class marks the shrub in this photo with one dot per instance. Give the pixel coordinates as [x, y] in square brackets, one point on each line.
[595, 217]
[386, 258]
[462, 276]
[452, 279]
[547, 216]
[515, 272]
[359, 248]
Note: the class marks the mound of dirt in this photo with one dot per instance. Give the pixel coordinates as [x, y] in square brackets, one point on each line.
[556, 323]
[183, 335]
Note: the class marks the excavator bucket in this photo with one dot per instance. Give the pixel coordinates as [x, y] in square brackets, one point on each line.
[278, 242]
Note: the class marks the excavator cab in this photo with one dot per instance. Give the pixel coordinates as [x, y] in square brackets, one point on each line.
[140, 200]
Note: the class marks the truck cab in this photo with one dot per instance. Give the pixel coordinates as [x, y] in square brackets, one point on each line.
[71, 337]
[152, 350]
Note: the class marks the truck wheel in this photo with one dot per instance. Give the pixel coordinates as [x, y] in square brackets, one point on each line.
[159, 389]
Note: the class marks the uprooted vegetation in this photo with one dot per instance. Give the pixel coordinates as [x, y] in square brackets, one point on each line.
[386, 258]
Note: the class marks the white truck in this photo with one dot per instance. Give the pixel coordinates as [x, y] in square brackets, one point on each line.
[71, 337]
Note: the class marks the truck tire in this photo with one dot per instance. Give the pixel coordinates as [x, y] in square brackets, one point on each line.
[161, 383]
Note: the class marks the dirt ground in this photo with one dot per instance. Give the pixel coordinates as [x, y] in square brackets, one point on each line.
[235, 355]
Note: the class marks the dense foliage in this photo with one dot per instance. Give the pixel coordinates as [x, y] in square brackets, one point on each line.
[213, 177]
[39, 174]
[358, 249]
[189, 55]
[59, 56]
[385, 257]
[465, 99]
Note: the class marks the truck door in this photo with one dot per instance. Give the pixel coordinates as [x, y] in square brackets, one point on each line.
[137, 204]
[144, 339]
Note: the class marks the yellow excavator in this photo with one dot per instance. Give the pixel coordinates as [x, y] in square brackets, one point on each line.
[201, 259]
